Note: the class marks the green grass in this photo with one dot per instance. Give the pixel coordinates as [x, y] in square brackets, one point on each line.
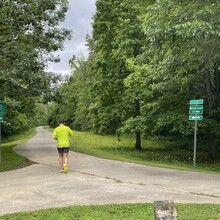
[156, 152]
[119, 212]
[10, 159]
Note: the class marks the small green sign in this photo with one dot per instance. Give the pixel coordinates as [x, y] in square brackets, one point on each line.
[196, 117]
[197, 102]
[3, 107]
[196, 109]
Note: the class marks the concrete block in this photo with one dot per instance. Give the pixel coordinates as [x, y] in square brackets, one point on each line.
[165, 210]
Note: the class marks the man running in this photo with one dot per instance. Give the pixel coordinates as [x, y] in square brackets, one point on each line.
[61, 134]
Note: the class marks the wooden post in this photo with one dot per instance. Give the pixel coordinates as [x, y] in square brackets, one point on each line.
[165, 210]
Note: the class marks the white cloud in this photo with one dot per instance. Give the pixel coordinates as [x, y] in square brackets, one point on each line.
[78, 19]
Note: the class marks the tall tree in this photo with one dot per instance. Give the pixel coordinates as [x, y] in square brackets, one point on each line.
[117, 36]
[28, 34]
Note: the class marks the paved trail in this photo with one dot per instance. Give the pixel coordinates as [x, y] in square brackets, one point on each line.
[92, 180]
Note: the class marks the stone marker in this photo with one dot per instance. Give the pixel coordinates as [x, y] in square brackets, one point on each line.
[165, 210]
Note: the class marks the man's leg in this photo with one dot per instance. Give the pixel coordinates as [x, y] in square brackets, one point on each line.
[65, 158]
[61, 161]
[65, 161]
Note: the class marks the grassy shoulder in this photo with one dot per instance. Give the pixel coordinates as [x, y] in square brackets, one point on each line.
[118, 211]
[156, 152]
[10, 159]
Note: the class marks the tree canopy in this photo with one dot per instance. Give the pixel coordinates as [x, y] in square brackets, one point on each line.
[147, 60]
[29, 32]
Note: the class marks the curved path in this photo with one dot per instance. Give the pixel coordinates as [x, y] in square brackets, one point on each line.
[92, 180]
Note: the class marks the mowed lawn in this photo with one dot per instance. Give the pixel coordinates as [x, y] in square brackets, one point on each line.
[11, 160]
[118, 212]
[156, 151]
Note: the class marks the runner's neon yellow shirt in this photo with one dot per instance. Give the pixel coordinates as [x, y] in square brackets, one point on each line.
[62, 134]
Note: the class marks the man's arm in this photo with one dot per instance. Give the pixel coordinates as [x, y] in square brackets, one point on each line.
[70, 132]
[55, 134]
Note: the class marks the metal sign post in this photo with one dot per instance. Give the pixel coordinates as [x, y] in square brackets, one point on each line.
[1, 120]
[195, 141]
[196, 109]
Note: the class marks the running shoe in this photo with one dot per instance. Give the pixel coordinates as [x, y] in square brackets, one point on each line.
[65, 168]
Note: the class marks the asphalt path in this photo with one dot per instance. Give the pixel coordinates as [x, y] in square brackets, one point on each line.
[92, 181]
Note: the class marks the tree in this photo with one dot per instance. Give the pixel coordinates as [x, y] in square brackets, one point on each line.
[146, 61]
[117, 36]
[181, 63]
[28, 34]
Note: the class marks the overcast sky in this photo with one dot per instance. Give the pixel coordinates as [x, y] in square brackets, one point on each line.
[78, 19]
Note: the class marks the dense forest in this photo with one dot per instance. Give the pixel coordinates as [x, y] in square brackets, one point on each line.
[147, 60]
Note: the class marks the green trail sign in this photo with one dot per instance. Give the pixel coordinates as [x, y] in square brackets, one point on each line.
[195, 117]
[196, 109]
[3, 108]
[197, 102]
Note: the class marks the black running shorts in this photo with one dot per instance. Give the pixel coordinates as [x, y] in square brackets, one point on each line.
[63, 150]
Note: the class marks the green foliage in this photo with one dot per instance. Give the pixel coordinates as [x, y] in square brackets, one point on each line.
[55, 114]
[146, 61]
[41, 115]
[16, 120]
[29, 33]
[181, 41]
[73, 98]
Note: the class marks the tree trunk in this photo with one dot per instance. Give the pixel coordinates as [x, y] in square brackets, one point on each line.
[138, 141]
[217, 84]
[138, 133]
